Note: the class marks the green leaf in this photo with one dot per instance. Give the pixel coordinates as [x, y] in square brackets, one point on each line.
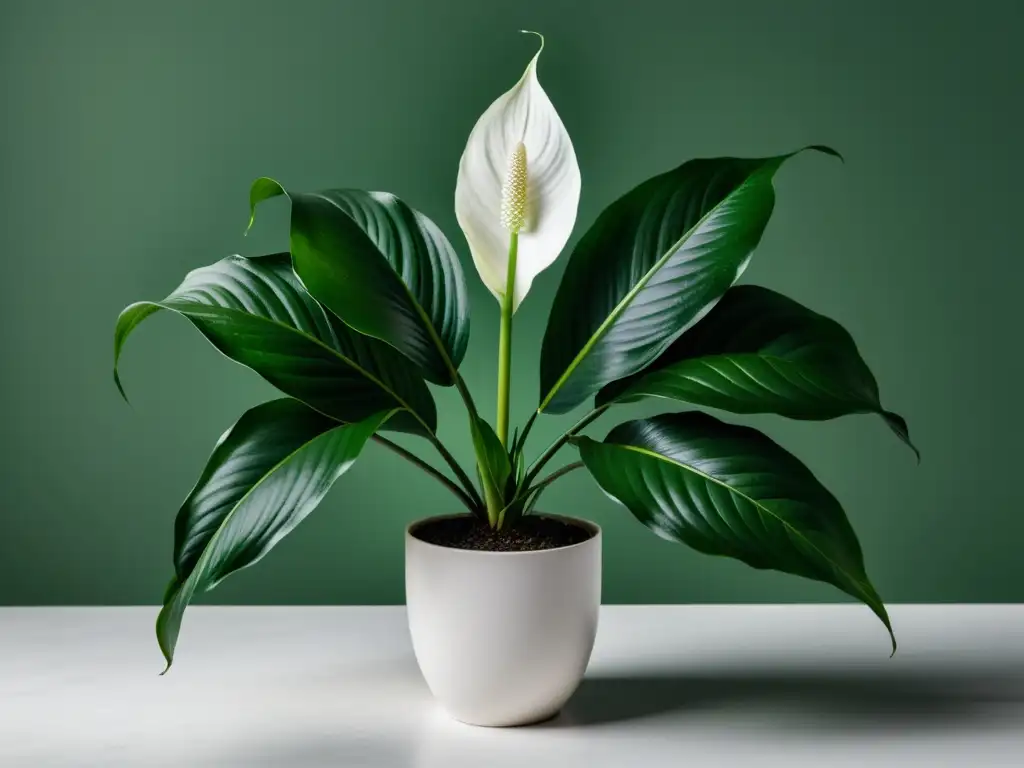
[517, 456]
[520, 505]
[729, 490]
[493, 463]
[759, 352]
[652, 265]
[265, 475]
[385, 269]
[256, 312]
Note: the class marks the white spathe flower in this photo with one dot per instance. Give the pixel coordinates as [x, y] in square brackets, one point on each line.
[520, 138]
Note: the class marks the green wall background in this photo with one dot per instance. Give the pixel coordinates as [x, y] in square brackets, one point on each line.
[130, 134]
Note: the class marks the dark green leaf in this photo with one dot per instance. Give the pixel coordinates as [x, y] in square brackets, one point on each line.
[256, 312]
[653, 263]
[759, 352]
[383, 268]
[729, 490]
[265, 475]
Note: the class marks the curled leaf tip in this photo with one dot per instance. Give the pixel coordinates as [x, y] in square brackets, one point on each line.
[827, 151]
[262, 189]
[524, 113]
[899, 426]
[120, 388]
[538, 34]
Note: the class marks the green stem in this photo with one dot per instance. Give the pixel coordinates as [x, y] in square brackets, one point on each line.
[467, 398]
[556, 474]
[552, 449]
[491, 504]
[413, 458]
[526, 431]
[539, 487]
[505, 340]
[470, 487]
[457, 469]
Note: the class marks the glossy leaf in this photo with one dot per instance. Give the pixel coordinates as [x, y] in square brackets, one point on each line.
[257, 313]
[265, 475]
[758, 351]
[522, 114]
[493, 462]
[385, 269]
[729, 490]
[652, 265]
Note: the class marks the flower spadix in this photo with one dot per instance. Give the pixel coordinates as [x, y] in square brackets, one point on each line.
[518, 174]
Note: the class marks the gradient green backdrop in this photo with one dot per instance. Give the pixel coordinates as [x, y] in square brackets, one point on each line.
[130, 133]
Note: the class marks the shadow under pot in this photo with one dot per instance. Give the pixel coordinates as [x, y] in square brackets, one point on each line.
[502, 637]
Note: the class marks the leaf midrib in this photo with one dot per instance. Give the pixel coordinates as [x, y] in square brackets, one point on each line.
[245, 496]
[633, 292]
[277, 323]
[840, 392]
[191, 581]
[711, 478]
[425, 319]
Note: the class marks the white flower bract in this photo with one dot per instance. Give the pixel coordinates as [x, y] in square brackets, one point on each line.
[491, 200]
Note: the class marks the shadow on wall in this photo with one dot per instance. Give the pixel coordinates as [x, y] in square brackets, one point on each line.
[930, 699]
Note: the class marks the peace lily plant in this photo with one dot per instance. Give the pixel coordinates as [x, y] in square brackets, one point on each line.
[370, 306]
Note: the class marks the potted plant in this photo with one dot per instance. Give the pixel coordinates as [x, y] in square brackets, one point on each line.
[370, 306]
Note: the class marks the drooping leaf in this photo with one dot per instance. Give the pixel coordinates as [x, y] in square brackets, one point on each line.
[385, 269]
[758, 351]
[522, 114]
[652, 265]
[265, 475]
[255, 311]
[729, 490]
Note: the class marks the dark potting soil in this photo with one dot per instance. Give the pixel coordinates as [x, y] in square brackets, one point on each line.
[528, 534]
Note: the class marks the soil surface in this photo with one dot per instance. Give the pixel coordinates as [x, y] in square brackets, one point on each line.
[528, 534]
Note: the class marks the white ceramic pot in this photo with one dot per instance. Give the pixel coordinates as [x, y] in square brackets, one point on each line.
[503, 638]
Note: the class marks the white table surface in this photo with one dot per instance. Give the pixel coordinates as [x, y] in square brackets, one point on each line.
[667, 686]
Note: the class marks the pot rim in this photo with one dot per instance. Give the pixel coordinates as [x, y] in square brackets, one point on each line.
[593, 528]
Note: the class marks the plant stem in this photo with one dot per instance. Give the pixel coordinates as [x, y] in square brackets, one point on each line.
[505, 340]
[552, 449]
[411, 457]
[457, 469]
[492, 504]
[557, 474]
[467, 398]
[539, 487]
[526, 431]
[445, 454]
